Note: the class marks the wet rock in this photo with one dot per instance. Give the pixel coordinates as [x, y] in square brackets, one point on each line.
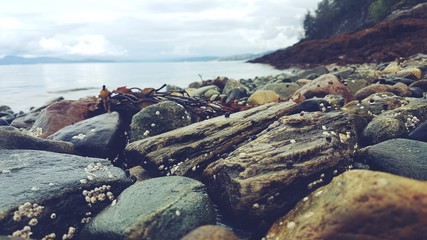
[356, 85]
[358, 204]
[61, 114]
[237, 93]
[12, 138]
[173, 88]
[200, 92]
[403, 157]
[375, 104]
[322, 86]
[417, 92]
[210, 232]
[312, 73]
[49, 191]
[210, 93]
[401, 89]
[101, 136]
[5, 108]
[313, 105]
[158, 118]
[284, 90]
[371, 89]
[410, 73]
[344, 72]
[421, 84]
[261, 97]
[160, 208]
[25, 121]
[420, 132]
[231, 85]
[389, 80]
[267, 176]
[139, 173]
[186, 151]
[396, 123]
[302, 82]
[336, 101]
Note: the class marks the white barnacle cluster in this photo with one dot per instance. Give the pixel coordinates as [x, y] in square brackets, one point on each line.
[80, 136]
[316, 182]
[171, 170]
[28, 210]
[70, 234]
[146, 133]
[5, 171]
[50, 236]
[411, 122]
[87, 218]
[322, 107]
[98, 194]
[23, 233]
[37, 132]
[93, 168]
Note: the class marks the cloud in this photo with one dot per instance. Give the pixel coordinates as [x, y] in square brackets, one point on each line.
[150, 29]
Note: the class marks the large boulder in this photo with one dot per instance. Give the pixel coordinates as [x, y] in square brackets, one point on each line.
[158, 118]
[12, 138]
[52, 192]
[159, 208]
[358, 204]
[420, 132]
[296, 154]
[403, 157]
[186, 151]
[61, 114]
[101, 136]
[327, 84]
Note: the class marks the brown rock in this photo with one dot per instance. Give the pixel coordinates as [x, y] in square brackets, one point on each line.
[267, 176]
[326, 84]
[61, 114]
[210, 232]
[302, 82]
[284, 90]
[262, 97]
[401, 89]
[359, 204]
[421, 84]
[11, 138]
[371, 89]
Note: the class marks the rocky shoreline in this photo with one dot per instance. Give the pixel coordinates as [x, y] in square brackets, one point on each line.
[331, 152]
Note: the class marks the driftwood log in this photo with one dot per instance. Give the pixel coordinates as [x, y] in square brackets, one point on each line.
[266, 177]
[186, 151]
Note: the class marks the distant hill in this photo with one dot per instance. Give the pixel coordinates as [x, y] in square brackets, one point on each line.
[10, 60]
[243, 57]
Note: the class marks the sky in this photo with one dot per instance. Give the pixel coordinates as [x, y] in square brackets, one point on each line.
[148, 29]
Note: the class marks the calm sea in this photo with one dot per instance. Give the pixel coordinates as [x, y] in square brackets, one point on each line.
[25, 86]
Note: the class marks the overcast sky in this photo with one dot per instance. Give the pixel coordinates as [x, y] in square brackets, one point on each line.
[148, 29]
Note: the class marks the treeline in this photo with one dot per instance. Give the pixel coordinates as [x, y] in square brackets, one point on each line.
[337, 16]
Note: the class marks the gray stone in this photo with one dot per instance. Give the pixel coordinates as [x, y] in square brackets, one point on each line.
[158, 118]
[200, 92]
[231, 85]
[101, 136]
[295, 155]
[56, 182]
[12, 138]
[284, 90]
[403, 157]
[185, 151]
[396, 123]
[159, 208]
[25, 121]
[420, 132]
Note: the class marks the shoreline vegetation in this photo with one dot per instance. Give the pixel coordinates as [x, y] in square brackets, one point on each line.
[334, 150]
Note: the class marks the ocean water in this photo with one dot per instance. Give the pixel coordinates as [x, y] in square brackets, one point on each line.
[26, 86]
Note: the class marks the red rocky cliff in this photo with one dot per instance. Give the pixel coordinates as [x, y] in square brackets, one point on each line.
[402, 34]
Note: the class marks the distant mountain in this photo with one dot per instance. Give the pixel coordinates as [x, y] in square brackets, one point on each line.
[10, 60]
[243, 57]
